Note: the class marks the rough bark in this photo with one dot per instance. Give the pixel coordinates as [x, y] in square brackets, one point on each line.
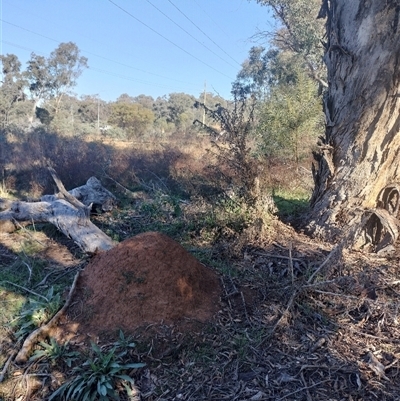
[357, 161]
[68, 211]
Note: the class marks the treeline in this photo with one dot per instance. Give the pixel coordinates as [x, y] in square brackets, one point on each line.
[39, 95]
[285, 79]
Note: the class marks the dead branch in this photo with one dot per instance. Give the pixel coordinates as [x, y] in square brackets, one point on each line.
[68, 211]
[43, 331]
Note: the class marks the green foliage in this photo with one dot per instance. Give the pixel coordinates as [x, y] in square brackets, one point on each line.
[43, 115]
[288, 79]
[301, 31]
[291, 118]
[12, 88]
[180, 110]
[131, 117]
[291, 203]
[98, 377]
[52, 77]
[55, 353]
[37, 312]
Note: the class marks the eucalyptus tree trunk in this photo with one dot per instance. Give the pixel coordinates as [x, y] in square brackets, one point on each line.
[358, 164]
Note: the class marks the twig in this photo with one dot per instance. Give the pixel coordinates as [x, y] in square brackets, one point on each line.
[44, 330]
[302, 389]
[288, 306]
[270, 255]
[323, 264]
[5, 367]
[291, 262]
[25, 289]
[244, 307]
[335, 294]
[118, 184]
[45, 279]
[309, 398]
[17, 223]
[160, 180]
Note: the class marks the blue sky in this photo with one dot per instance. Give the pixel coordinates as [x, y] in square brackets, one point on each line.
[136, 46]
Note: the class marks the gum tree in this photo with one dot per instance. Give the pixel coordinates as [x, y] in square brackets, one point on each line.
[51, 78]
[357, 172]
[12, 86]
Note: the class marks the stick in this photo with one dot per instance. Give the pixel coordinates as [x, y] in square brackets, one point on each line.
[26, 289]
[291, 262]
[288, 306]
[5, 367]
[44, 330]
[333, 251]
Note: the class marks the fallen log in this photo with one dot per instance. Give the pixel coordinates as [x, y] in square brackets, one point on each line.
[68, 211]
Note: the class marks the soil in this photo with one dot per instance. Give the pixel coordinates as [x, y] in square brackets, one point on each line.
[147, 279]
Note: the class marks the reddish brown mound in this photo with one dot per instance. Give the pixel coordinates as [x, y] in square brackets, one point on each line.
[146, 279]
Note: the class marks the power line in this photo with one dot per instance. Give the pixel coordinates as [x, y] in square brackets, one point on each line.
[188, 33]
[129, 78]
[209, 16]
[216, 44]
[96, 55]
[103, 71]
[168, 40]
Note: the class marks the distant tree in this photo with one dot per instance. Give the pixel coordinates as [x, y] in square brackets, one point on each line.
[131, 117]
[161, 113]
[53, 77]
[289, 115]
[125, 98]
[66, 65]
[145, 101]
[211, 99]
[91, 109]
[264, 69]
[160, 108]
[12, 86]
[181, 110]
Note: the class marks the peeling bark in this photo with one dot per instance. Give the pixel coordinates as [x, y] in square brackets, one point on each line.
[358, 157]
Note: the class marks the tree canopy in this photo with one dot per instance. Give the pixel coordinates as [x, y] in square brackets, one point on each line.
[132, 117]
[52, 77]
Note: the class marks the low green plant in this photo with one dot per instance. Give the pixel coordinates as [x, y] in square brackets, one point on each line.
[37, 312]
[124, 342]
[55, 352]
[98, 377]
[291, 203]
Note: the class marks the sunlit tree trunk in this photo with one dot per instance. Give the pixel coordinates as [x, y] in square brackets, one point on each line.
[359, 156]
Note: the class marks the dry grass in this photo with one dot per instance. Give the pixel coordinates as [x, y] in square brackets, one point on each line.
[282, 331]
[336, 340]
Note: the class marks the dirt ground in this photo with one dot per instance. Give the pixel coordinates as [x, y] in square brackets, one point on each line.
[262, 331]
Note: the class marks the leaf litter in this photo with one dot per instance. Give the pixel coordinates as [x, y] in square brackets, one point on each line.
[270, 334]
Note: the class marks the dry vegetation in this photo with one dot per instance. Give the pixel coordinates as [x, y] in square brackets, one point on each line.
[296, 322]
